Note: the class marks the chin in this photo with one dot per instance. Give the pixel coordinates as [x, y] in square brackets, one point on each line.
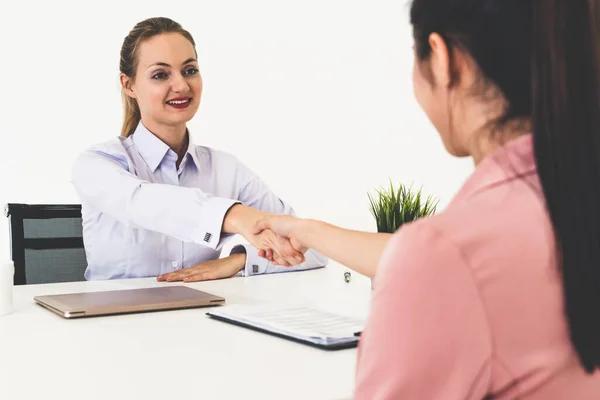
[182, 118]
[452, 149]
[456, 152]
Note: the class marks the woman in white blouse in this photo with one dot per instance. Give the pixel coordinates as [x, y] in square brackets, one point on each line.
[153, 203]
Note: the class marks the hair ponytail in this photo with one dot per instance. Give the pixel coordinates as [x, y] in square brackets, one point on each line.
[566, 125]
[131, 115]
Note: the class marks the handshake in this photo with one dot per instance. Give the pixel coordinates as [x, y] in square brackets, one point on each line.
[278, 239]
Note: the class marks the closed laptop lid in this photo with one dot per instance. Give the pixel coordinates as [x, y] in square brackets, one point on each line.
[126, 301]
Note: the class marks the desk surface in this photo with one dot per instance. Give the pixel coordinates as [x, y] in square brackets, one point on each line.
[179, 354]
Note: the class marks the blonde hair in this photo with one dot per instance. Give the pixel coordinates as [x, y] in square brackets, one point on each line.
[141, 31]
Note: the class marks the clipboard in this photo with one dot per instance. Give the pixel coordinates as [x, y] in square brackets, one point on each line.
[283, 321]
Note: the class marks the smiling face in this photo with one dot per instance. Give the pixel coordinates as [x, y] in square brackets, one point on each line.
[167, 84]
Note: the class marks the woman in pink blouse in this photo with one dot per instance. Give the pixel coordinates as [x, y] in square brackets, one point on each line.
[499, 295]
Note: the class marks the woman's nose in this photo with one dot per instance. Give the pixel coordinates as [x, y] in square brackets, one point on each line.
[180, 85]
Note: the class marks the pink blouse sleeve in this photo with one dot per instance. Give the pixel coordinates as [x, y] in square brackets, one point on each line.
[427, 336]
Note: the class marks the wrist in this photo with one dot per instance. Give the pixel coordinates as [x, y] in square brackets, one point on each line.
[240, 219]
[238, 260]
[303, 233]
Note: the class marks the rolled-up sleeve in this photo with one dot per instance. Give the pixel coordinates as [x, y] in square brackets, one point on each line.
[104, 181]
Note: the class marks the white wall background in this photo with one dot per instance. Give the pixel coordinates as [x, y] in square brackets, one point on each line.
[313, 95]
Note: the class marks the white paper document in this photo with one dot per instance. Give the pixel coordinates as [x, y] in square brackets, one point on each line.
[299, 322]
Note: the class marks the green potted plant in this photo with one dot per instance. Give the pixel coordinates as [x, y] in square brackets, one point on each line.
[394, 207]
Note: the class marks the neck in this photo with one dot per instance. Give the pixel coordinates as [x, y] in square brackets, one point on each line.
[487, 141]
[174, 136]
[482, 137]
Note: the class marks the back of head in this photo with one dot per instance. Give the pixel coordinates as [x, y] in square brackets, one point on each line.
[142, 31]
[543, 57]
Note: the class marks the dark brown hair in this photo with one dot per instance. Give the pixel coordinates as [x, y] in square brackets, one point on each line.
[543, 57]
[142, 31]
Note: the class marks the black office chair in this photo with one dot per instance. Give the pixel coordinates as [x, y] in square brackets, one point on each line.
[46, 243]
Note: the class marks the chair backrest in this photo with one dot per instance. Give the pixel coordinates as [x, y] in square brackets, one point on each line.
[46, 243]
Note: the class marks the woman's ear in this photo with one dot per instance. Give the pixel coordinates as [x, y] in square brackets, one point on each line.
[439, 62]
[126, 83]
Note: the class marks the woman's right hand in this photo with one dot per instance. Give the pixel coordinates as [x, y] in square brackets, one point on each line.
[280, 250]
[242, 220]
[285, 226]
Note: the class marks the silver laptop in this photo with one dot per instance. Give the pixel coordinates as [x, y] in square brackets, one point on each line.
[77, 305]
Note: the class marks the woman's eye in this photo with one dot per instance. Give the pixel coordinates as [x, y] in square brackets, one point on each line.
[160, 75]
[191, 71]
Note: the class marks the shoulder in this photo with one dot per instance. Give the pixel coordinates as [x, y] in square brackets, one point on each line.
[220, 160]
[453, 234]
[420, 254]
[114, 150]
[215, 155]
[422, 265]
[507, 219]
[504, 232]
[422, 242]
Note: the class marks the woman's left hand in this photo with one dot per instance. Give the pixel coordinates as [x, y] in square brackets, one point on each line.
[208, 270]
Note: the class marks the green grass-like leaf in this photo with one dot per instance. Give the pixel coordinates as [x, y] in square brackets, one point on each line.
[393, 207]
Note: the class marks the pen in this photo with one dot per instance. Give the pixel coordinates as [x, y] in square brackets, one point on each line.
[347, 276]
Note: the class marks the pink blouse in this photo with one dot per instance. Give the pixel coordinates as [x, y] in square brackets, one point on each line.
[469, 303]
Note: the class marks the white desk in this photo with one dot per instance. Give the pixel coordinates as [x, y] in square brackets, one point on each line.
[177, 354]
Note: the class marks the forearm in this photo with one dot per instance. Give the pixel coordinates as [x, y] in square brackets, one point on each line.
[357, 250]
[207, 270]
[188, 214]
[237, 261]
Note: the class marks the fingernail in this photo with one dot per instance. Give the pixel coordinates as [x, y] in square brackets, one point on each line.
[299, 258]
